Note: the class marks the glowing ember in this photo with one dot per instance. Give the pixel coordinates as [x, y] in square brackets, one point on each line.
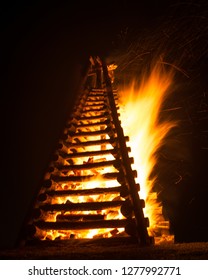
[140, 105]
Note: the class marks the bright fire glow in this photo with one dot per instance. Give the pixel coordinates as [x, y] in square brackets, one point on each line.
[140, 107]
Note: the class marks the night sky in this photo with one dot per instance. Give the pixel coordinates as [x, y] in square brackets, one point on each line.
[43, 52]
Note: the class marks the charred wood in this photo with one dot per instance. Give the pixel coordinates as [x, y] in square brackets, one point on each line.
[92, 124]
[85, 166]
[81, 192]
[87, 154]
[71, 217]
[89, 133]
[81, 225]
[84, 206]
[93, 143]
[84, 178]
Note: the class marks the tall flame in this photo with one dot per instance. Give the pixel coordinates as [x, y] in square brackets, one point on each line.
[140, 105]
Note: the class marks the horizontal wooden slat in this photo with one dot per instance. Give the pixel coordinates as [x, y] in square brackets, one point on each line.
[82, 225]
[87, 154]
[84, 206]
[79, 217]
[106, 176]
[85, 166]
[89, 133]
[91, 124]
[92, 143]
[81, 192]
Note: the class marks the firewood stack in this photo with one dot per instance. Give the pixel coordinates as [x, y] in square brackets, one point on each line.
[89, 190]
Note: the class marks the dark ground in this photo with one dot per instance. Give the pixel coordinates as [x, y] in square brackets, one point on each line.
[110, 250]
[43, 51]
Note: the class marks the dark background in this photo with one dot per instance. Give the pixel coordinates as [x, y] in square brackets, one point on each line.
[44, 48]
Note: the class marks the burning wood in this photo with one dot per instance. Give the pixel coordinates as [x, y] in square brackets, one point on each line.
[79, 217]
[80, 192]
[82, 225]
[85, 206]
[87, 195]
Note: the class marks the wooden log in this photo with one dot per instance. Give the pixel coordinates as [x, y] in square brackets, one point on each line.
[81, 225]
[89, 133]
[117, 164]
[137, 187]
[122, 178]
[93, 165]
[101, 92]
[86, 166]
[92, 124]
[142, 203]
[101, 116]
[98, 98]
[82, 192]
[114, 232]
[84, 206]
[147, 222]
[87, 107]
[95, 102]
[61, 147]
[90, 143]
[84, 178]
[87, 154]
[82, 217]
[131, 228]
[95, 110]
[95, 90]
[97, 94]
[124, 192]
[91, 95]
[94, 143]
[127, 209]
[76, 154]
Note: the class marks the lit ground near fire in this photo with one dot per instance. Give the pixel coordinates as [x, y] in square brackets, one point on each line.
[113, 249]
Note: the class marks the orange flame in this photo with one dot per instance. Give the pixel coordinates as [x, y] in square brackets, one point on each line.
[141, 105]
